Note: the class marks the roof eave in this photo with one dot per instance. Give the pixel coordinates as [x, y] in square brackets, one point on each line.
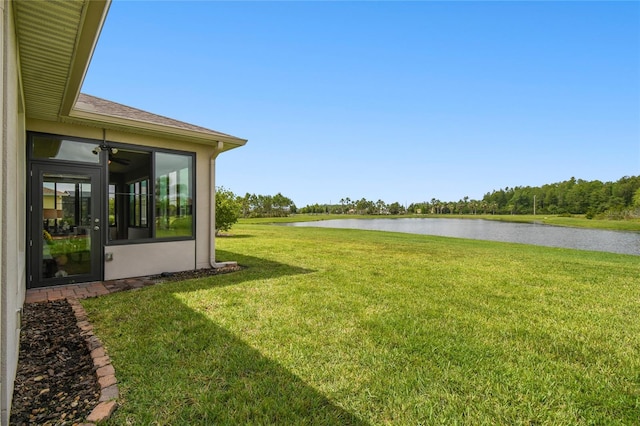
[142, 127]
[95, 14]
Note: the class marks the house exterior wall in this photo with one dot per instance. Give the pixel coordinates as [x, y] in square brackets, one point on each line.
[152, 258]
[134, 260]
[12, 209]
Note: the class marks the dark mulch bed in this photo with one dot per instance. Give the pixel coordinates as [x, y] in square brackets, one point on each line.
[56, 382]
[198, 273]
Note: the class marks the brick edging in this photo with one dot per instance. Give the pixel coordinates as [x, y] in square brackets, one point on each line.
[105, 372]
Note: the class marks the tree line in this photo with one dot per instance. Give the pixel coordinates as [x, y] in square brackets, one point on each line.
[619, 199]
[573, 196]
[594, 199]
[278, 205]
[229, 207]
[361, 206]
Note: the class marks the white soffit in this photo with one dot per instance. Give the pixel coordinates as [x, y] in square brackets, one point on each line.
[56, 39]
[55, 43]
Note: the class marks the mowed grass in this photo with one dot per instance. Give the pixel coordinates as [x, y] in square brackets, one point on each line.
[328, 326]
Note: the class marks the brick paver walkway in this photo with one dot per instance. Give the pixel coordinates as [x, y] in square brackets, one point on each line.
[105, 373]
[85, 290]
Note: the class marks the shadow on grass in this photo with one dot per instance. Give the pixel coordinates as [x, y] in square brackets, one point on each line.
[235, 384]
[235, 236]
[176, 366]
[254, 268]
[263, 266]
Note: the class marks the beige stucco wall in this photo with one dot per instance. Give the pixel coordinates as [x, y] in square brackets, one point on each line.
[134, 260]
[12, 210]
[129, 257]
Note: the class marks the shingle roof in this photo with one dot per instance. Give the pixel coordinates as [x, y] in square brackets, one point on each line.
[101, 106]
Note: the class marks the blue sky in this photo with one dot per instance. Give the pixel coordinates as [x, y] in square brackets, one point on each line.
[398, 101]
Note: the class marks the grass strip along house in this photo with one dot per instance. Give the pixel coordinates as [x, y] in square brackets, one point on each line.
[90, 189]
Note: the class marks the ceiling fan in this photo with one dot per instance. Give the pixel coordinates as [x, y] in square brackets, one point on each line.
[114, 159]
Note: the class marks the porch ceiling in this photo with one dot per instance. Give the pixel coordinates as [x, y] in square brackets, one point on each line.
[55, 43]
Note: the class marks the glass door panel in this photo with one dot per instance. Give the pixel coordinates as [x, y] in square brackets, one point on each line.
[66, 216]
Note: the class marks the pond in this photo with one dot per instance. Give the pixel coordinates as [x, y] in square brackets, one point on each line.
[479, 229]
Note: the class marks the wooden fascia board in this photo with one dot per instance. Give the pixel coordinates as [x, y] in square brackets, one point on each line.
[89, 30]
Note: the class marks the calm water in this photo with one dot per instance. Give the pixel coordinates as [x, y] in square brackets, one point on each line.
[478, 229]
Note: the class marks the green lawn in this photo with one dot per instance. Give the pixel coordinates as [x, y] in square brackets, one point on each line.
[328, 326]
